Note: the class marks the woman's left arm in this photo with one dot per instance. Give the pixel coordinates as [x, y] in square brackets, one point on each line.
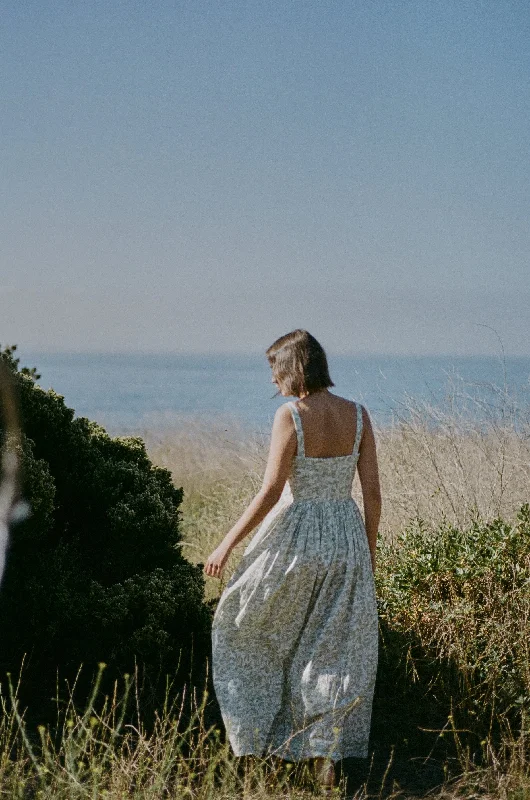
[281, 453]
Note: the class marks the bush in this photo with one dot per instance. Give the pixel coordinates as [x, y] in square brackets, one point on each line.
[96, 573]
[460, 598]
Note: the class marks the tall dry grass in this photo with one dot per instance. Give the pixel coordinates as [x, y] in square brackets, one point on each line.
[97, 754]
[220, 464]
[465, 460]
[437, 464]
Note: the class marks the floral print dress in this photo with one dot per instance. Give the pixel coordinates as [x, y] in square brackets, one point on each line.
[295, 633]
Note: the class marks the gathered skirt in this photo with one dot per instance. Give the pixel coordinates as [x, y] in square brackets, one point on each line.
[295, 636]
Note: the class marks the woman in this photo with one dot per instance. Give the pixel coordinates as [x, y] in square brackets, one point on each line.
[295, 631]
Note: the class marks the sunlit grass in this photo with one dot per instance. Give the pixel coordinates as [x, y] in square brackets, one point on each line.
[454, 593]
[100, 753]
[436, 464]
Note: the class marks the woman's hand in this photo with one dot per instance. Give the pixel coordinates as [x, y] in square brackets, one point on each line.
[282, 450]
[217, 561]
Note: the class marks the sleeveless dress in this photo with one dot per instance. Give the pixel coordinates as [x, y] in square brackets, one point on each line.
[295, 633]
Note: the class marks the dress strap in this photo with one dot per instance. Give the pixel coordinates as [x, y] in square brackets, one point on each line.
[359, 431]
[298, 426]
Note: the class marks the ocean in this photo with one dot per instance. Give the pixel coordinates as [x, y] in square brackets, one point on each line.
[129, 393]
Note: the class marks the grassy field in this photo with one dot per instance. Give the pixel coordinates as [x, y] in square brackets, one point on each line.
[453, 585]
[452, 704]
[435, 465]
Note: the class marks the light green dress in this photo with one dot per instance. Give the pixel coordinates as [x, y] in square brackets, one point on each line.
[295, 632]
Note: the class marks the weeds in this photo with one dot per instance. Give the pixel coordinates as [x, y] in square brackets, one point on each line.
[454, 570]
[97, 754]
[468, 459]
[454, 594]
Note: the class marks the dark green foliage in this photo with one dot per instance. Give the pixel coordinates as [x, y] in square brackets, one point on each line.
[96, 573]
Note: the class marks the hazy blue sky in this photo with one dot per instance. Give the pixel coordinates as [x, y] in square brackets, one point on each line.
[204, 176]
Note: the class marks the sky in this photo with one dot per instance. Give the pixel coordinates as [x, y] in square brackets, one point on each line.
[197, 177]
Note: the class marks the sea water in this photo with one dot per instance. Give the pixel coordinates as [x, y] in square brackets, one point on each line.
[131, 392]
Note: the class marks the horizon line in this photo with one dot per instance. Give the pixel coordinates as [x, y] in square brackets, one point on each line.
[362, 354]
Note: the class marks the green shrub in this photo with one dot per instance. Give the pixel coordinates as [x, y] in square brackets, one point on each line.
[96, 573]
[460, 598]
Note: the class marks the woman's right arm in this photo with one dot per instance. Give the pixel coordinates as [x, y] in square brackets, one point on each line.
[371, 488]
[281, 453]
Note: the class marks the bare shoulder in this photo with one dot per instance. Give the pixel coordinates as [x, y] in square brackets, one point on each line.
[367, 422]
[351, 405]
[341, 402]
[283, 420]
[283, 414]
[348, 406]
[283, 431]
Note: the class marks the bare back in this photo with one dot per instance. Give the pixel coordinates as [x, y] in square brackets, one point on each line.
[329, 423]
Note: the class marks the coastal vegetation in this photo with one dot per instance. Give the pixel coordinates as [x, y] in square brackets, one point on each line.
[453, 581]
[96, 573]
[108, 569]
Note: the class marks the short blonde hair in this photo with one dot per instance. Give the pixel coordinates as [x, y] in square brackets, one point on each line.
[299, 363]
